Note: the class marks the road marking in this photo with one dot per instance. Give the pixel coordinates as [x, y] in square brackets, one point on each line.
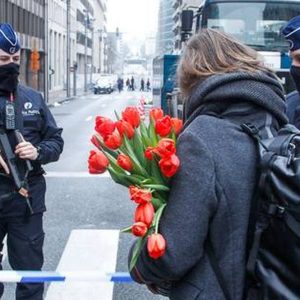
[89, 118]
[4, 250]
[87, 250]
[75, 174]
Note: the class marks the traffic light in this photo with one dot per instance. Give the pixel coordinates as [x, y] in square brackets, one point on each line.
[34, 61]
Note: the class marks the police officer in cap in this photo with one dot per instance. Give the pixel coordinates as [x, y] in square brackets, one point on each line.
[292, 34]
[21, 213]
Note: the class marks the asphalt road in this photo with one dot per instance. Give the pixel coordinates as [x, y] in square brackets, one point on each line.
[83, 202]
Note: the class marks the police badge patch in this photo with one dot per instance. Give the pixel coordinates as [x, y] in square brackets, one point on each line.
[27, 105]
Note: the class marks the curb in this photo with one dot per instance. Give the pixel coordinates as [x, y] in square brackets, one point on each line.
[63, 100]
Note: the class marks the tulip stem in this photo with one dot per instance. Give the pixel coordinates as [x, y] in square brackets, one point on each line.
[158, 216]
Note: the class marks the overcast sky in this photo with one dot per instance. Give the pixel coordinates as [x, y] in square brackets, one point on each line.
[133, 17]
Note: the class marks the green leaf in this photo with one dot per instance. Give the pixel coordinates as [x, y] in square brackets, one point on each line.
[139, 148]
[137, 166]
[136, 252]
[156, 173]
[138, 248]
[157, 203]
[144, 134]
[158, 187]
[157, 217]
[117, 115]
[173, 136]
[152, 134]
[126, 230]
[118, 178]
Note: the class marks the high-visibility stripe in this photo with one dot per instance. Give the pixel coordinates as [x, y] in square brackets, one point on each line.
[45, 276]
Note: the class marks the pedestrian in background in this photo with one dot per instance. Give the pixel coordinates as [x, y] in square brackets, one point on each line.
[142, 85]
[120, 84]
[292, 34]
[148, 85]
[132, 83]
[205, 222]
[42, 144]
[128, 84]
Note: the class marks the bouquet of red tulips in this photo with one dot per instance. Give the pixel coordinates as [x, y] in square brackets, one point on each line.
[142, 157]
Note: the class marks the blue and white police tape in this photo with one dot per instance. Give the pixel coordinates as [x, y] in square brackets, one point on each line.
[44, 276]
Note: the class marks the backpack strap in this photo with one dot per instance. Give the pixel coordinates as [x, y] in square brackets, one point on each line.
[216, 268]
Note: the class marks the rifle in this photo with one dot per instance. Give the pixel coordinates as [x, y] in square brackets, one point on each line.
[11, 160]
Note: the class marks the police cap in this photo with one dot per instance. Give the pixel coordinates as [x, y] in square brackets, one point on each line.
[9, 41]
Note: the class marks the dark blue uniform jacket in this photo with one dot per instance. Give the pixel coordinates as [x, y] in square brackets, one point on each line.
[40, 129]
[293, 108]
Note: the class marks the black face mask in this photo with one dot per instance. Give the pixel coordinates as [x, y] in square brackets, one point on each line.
[295, 73]
[9, 77]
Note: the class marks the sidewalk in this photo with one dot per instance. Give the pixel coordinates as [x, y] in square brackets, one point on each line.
[61, 96]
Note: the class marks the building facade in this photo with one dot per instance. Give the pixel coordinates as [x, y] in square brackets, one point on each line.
[90, 37]
[28, 19]
[42, 26]
[115, 53]
[57, 44]
[165, 36]
[99, 34]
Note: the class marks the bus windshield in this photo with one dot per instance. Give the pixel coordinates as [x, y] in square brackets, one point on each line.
[258, 24]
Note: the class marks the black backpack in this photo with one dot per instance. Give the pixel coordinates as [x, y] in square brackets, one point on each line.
[274, 225]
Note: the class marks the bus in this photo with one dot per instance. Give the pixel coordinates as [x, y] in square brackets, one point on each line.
[256, 23]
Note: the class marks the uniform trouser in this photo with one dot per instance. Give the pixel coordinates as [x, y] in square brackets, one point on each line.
[25, 238]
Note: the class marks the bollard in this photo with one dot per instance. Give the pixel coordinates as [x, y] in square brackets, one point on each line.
[44, 276]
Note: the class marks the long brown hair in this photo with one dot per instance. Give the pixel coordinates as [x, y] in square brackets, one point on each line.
[212, 52]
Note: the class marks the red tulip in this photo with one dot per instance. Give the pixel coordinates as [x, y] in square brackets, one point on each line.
[165, 147]
[176, 125]
[139, 229]
[104, 126]
[124, 162]
[169, 165]
[156, 113]
[132, 116]
[113, 141]
[156, 245]
[98, 162]
[95, 142]
[140, 196]
[163, 126]
[144, 213]
[149, 153]
[125, 128]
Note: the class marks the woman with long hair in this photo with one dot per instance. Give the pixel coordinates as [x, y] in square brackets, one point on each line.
[205, 223]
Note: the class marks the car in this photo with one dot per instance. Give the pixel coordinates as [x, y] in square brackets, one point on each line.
[103, 86]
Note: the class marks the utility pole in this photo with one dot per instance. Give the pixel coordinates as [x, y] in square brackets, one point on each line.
[85, 49]
[68, 47]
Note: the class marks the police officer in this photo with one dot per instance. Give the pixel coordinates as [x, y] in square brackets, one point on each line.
[42, 144]
[292, 34]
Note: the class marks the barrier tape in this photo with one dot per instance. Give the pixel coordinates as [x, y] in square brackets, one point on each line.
[44, 276]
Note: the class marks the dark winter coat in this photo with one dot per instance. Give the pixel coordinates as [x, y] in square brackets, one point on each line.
[38, 127]
[211, 194]
[293, 108]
